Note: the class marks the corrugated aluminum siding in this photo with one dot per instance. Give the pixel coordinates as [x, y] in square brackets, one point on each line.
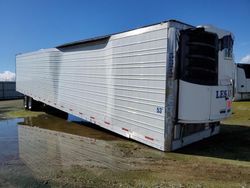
[118, 84]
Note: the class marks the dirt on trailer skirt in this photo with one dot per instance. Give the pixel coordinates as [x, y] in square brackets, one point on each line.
[41, 150]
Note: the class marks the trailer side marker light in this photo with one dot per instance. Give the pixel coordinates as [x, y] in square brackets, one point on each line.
[62, 106]
[124, 129]
[92, 117]
[106, 122]
[149, 138]
[80, 113]
[71, 109]
[229, 104]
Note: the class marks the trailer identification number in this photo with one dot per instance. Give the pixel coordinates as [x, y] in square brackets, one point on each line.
[159, 109]
[223, 94]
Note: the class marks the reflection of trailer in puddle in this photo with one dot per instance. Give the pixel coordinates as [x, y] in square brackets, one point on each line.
[47, 151]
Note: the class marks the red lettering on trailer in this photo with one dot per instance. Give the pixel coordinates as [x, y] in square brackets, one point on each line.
[124, 129]
[149, 138]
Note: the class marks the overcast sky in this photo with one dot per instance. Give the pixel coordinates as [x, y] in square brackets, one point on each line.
[28, 25]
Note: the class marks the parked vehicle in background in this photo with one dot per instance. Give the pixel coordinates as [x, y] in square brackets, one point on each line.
[165, 85]
[242, 82]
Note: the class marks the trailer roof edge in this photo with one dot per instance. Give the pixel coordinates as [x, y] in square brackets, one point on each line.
[103, 37]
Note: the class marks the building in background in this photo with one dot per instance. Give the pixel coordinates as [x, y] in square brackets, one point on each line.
[8, 91]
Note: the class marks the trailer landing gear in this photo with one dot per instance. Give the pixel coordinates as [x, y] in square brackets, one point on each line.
[25, 102]
[30, 104]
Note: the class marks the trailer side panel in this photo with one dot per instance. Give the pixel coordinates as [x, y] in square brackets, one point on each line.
[116, 82]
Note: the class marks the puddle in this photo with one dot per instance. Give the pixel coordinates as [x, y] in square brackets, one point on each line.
[43, 146]
[8, 140]
[13, 171]
[73, 125]
[47, 151]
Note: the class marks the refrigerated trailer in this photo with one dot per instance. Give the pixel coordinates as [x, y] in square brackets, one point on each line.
[242, 82]
[165, 85]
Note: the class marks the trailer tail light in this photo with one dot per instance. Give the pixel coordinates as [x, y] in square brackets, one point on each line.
[228, 104]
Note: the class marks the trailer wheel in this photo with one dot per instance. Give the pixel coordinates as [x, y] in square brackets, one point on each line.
[25, 102]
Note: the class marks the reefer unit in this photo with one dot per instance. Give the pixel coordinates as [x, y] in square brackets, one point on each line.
[242, 82]
[165, 85]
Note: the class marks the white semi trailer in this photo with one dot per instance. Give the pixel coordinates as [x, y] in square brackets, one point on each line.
[242, 82]
[165, 85]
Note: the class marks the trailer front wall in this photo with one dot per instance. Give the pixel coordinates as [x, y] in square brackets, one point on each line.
[117, 83]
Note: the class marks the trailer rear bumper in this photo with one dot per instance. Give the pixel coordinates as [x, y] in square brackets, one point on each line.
[176, 144]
